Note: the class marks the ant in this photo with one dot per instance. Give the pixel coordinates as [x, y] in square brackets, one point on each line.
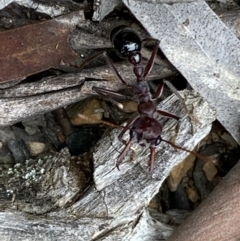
[144, 128]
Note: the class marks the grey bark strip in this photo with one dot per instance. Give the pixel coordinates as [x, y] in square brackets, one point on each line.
[30, 99]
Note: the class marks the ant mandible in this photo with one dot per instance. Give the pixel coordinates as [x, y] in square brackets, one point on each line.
[144, 128]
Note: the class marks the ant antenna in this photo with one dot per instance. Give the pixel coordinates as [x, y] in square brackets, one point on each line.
[204, 158]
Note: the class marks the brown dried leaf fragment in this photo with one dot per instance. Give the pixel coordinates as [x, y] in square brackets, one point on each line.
[33, 48]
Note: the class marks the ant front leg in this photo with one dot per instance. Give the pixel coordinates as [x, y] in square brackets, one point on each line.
[194, 120]
[157, 94]
[110, 94]
[150, 62]
[127, 127]
[109, 62]
[123, 153]
[168, 114]
[175, 91]
[113, 68]
[151, 159]
[127, 144]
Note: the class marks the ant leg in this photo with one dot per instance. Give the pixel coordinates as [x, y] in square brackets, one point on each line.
[123, 153]
[129, 124]
[150, 62]
[151, 159]
[109, 62]
[159, 91]
[128, 144]
[113, 68]
[175, 91]
[168, 114]
[202, 157]
[192, 117]
[110, 94]
[158, 94]
[90, 59]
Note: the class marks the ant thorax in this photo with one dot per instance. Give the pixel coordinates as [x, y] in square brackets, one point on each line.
[141, 88]
[144, 128]
[146, 108]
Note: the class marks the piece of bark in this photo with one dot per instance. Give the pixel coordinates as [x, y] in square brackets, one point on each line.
[202, 48]
[106, 154]
[48, 84]
[52, 10]
[41, 185]
[231, 19]
[79, 39]
[18, 108]
[217, 218]
[151, 227]
[103, 8]
[30, 99]
[111, 208]
[36, 47]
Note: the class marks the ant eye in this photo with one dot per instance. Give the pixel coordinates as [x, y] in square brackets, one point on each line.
[158, 140]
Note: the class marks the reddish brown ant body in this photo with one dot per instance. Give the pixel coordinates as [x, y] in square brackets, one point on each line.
[144, 128]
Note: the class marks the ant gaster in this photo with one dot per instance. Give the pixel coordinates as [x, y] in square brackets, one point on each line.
[144, 128]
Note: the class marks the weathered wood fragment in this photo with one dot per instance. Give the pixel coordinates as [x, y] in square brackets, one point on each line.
[30, 99]
[36, 47]
[103, 8]
[112, 206]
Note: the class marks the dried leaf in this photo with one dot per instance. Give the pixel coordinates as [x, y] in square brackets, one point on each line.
[33, 48]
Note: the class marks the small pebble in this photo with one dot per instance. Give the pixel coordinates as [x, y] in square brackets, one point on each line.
[36, 148]
[192, 194]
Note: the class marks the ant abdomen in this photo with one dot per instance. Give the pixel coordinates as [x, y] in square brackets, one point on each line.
[125, 41]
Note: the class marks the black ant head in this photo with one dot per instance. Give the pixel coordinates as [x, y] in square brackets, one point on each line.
[125, 41]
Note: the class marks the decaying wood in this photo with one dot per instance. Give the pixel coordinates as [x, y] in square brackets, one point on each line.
[79, 39]
[18, 108]
[26, 100]
[50, 8]
[110, 209]
[36, 47]
[105, 170]
[217, 217]
[103, 8]
[202, 48]
[56, 178]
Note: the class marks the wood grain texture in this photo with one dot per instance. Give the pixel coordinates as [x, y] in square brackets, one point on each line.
[25, 100]
[111, 208]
